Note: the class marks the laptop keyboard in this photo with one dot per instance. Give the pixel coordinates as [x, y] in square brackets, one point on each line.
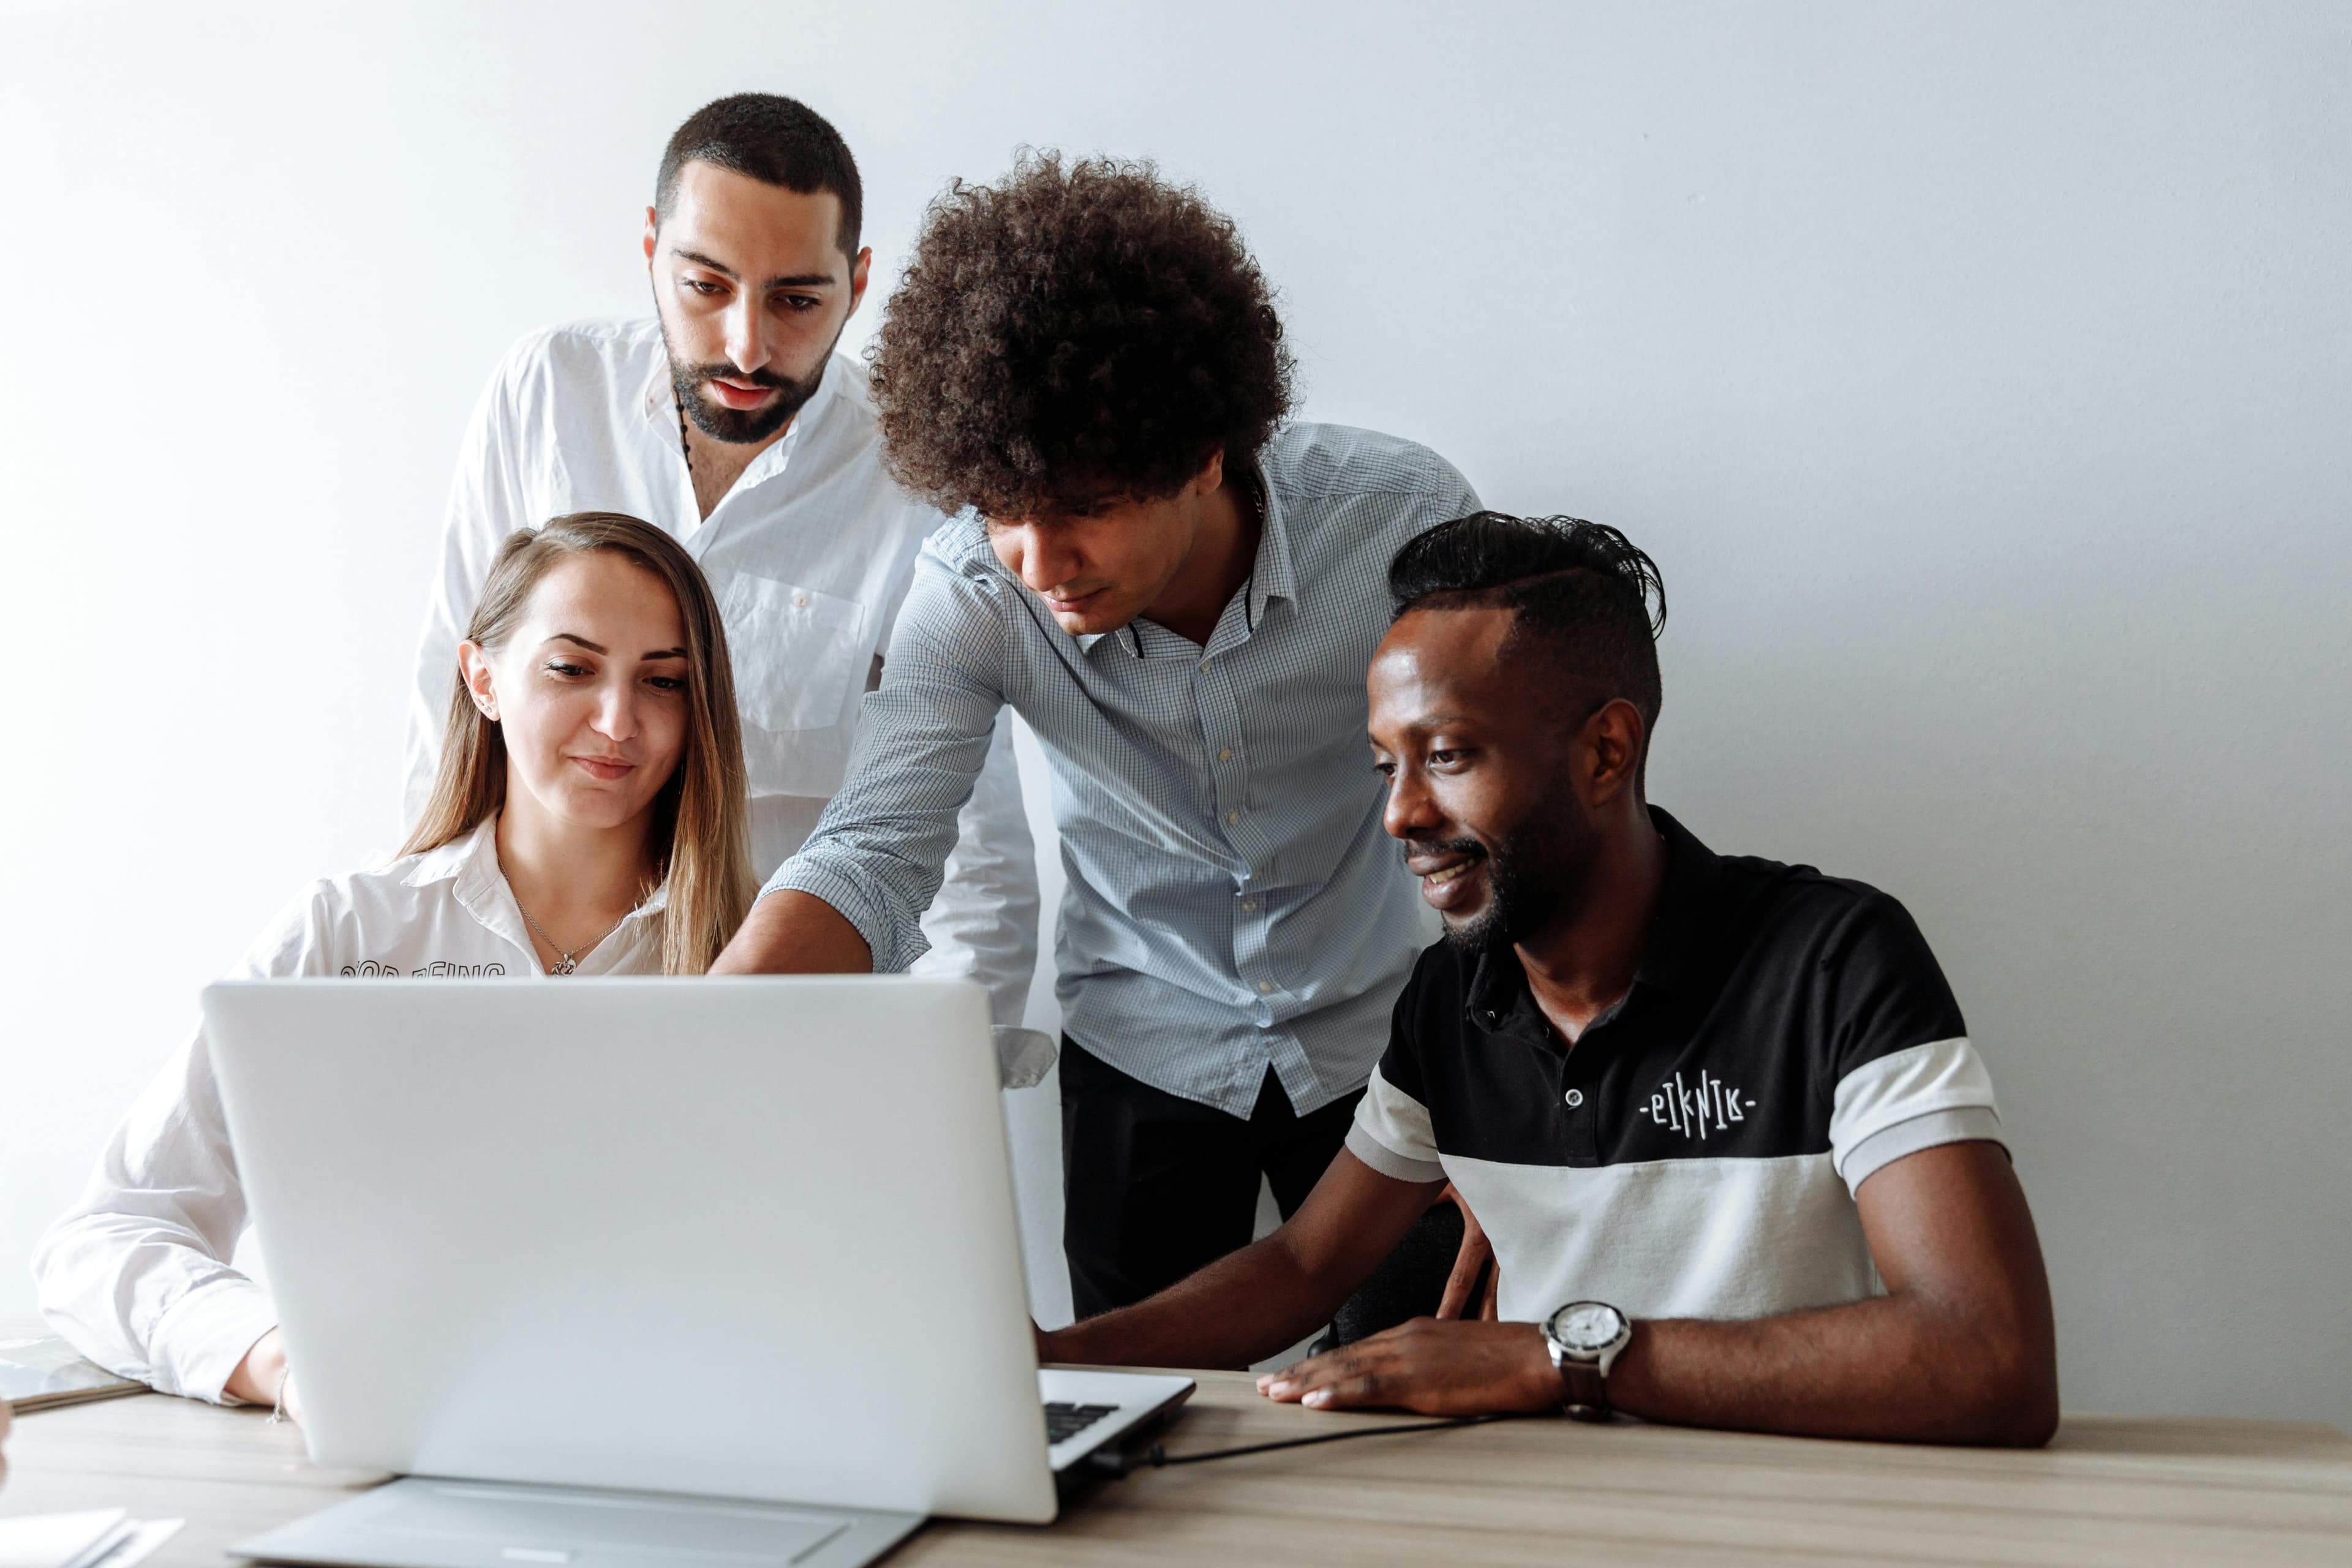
[1064, 1421]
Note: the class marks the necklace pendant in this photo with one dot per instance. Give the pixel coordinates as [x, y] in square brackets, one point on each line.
[563, 965]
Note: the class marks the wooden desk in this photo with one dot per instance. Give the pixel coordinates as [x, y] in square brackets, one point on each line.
[2109, 1491]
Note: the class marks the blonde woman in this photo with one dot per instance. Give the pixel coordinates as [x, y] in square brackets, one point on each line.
[588, 818]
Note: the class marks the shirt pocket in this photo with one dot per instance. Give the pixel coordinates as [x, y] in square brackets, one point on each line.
[798, 654]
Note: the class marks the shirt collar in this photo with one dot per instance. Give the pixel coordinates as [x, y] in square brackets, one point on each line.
[1272, 576]
[463, 856]
[471, 861]
[1271, 573]
[1682, 930]
[1674, 955]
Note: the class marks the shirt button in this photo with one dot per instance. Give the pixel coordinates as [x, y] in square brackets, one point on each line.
[1231, 818]
[1575, 1096]
[800, 601]
[1226, 755]
[1264, 986]
[1249, 906]
[1205, 663]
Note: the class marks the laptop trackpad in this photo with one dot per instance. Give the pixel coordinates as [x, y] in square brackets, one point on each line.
[418, 1522]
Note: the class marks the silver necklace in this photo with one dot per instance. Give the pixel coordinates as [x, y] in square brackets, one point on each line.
[565, 962]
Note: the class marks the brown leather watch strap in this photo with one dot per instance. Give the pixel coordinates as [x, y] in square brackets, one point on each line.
[1584, 1390]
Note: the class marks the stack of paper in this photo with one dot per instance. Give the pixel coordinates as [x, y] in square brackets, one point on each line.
[101, 1538]
[38, 1372]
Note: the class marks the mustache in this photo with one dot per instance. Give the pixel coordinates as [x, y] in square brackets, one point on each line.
[767, 378]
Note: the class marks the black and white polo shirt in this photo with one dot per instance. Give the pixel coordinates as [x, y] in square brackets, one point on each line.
[1696, 1153]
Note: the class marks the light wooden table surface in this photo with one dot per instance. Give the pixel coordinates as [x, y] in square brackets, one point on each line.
[2109, 1491]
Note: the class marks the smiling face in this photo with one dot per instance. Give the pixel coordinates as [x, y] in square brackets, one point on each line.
[753, 289]
[1482, 780]
[1100, 568]
[589, 692]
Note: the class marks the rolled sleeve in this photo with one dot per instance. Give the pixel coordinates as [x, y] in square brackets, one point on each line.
[199, 1340]
[136, 1275]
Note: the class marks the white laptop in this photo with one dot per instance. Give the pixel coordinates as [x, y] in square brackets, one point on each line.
[647, 1271]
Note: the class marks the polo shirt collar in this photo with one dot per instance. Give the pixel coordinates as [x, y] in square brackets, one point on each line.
[1674, 955]
[1272, 575]
[1682, 928]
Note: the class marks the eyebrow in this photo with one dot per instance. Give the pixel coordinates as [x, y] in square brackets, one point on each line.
[599, 647]
[787, 280]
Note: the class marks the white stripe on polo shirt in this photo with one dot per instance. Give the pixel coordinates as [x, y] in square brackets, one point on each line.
[1698, 1237]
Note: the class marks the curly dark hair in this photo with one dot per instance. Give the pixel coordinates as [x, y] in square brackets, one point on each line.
[1073, 334]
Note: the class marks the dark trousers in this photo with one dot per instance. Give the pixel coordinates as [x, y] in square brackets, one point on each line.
[1156, 1186]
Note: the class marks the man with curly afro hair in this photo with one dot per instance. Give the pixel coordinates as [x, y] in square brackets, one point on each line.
[1181, 592]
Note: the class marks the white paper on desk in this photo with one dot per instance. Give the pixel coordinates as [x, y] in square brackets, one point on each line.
[130, 1541]
[100, 1538]
[55, 1540]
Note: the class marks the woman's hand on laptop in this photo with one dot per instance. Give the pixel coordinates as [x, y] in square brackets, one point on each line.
[263, 1377]
[1436, 1368]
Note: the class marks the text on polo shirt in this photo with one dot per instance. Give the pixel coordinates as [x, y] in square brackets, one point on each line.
[1686, 1110]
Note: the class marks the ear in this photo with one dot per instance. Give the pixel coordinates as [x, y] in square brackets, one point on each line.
[474, 668]
[858, 271]
[653, 229]
[1609, 761]
[1212, 473]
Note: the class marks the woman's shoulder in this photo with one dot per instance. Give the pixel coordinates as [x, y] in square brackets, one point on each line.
[339, 922]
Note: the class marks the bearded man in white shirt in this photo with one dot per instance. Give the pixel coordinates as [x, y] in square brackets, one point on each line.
[729, 420]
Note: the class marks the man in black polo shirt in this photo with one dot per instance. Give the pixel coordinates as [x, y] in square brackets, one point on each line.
[1719, 1117]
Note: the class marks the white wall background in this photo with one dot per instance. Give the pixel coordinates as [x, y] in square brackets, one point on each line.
[1979, 374]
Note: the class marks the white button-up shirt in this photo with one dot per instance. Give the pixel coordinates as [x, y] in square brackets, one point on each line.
[808, 556]
[137, 1275]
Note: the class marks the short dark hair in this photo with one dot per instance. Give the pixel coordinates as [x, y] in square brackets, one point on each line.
[774, 140]
[1580, 591]
[1075, 333]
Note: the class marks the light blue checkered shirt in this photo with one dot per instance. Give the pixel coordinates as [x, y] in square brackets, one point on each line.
[1232, 901]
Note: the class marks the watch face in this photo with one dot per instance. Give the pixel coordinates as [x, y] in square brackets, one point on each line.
[1587, 1327]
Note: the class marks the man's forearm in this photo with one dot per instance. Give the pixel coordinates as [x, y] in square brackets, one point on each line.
[1239, 1309]
[792, 932]
[1892, 1367]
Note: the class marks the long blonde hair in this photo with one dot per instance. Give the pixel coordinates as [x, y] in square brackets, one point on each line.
[701, 833]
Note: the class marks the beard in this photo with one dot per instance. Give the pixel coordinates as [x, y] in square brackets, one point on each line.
[1538, 874]
[741, 426]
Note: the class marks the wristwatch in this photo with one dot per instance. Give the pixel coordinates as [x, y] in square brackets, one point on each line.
[1584, 1339]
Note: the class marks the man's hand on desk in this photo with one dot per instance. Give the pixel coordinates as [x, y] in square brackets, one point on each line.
[262, 1378]
[1436, 1368]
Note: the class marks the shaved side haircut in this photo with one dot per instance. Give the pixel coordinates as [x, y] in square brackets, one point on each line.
[1581, 596]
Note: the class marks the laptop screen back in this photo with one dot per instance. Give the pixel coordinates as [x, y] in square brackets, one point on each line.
[741, 1237]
